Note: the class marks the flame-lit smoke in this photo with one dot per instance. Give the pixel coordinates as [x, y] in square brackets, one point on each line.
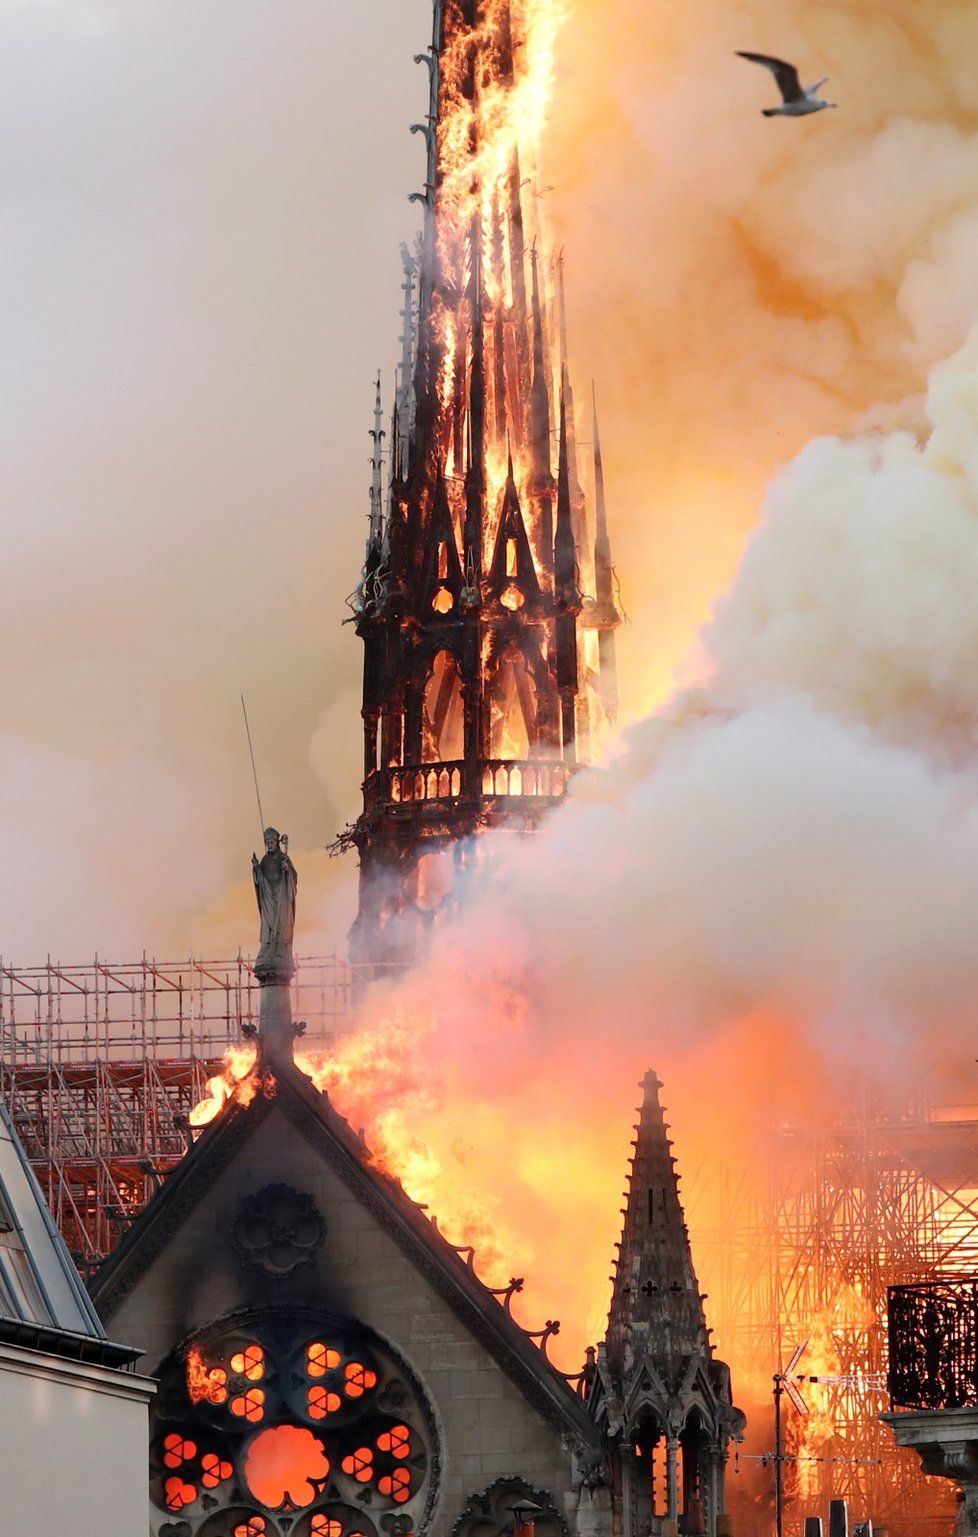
[772, 887]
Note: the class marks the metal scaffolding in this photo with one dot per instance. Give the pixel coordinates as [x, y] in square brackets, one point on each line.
[100, 1066]
[805, 1243]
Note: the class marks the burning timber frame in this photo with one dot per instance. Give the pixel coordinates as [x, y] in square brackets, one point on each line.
[101, 1065]
[806, 1244]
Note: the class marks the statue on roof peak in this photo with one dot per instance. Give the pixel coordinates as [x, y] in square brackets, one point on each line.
[275, 880]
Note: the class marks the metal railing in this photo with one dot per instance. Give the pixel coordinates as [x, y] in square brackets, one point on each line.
[933, 1345]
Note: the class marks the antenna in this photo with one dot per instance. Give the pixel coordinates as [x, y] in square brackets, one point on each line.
[251, 750]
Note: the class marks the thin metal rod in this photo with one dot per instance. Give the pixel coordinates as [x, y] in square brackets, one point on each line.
[251, 750]
[778, 1459]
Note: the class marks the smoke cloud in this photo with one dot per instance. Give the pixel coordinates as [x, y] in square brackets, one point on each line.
[774, 875]
[770, 890]
[202, 208]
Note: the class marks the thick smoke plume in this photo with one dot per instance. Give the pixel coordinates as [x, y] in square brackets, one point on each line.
[771, 889]
[776, 875]
[775, 880]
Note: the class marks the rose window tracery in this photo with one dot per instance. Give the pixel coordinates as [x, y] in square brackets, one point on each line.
[288, 1426]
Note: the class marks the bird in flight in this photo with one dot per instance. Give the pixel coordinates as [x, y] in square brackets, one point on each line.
[798, 100]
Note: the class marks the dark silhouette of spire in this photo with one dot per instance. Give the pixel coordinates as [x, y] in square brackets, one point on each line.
[568, 599]
[606, 614]
[656, 1309]
[541, 475]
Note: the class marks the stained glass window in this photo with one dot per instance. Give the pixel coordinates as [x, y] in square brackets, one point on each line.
[285, 1427]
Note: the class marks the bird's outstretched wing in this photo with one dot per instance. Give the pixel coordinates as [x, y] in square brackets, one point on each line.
[785, 74]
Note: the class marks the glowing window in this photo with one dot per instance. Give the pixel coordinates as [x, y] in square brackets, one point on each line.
[359, 1379]
[396, 1441]
[286, 1467]
[215, 1470]
[360, 1465]
[397, 1485]
[322, 1402]
[443, 602]
[249, 1363]
[325, 1526]
[176, 1450]
[249, 1406]
[442, 560]
[512, 564]
[277, 1430]
[254, 1527]
[512, 598]
[178, 1494]
[320, 1359]
[443, 723]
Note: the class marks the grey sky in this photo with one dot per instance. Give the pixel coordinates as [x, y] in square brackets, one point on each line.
[201, 206]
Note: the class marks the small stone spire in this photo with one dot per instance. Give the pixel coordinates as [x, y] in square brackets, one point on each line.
[656, 1308]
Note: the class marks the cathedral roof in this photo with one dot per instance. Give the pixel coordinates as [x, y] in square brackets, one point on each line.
[450, 1271]
[42, 1302]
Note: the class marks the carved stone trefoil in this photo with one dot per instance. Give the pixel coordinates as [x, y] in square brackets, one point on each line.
[278, 1230]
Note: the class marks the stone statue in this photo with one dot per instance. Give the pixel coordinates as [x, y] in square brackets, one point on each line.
[275, 886]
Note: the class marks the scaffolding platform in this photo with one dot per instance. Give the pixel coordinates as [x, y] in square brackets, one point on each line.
[101, 1065]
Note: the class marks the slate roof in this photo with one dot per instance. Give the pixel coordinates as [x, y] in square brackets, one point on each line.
[42, 1301]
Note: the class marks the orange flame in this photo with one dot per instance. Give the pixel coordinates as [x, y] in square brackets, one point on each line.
[235, 1082]
[205, 1382]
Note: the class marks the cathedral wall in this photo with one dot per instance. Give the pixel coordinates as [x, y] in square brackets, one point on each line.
[74, 1446]
[486, 1427]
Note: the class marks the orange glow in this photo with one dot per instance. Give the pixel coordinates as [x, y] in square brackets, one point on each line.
[320, 1359]
[205, 1382]
[249, 1363]
[233, 1083]
[215, 1470]
[178, 1494]
[397, 1485]
[322, 1402]
[360, 1465]
[286, 1467]
[253, 1527]
[250, 1405]
[177, 1451]
[396, 1441]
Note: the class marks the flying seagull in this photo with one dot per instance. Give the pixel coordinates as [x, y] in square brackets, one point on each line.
[798, 101]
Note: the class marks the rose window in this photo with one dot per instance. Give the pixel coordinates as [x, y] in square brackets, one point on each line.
[282, 1426]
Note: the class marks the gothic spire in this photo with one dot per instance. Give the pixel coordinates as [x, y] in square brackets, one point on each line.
[576, 491]
[539, 395]
[377, 436]
[656, 1309]
[604, 583]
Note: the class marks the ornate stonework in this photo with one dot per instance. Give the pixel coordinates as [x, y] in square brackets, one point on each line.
[278, 1230]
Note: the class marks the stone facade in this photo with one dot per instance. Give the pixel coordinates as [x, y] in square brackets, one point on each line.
[498, 1410]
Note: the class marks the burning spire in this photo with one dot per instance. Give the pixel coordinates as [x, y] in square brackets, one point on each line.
[478, 662]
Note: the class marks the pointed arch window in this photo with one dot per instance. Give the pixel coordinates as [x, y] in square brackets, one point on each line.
[513, 709]
[443, 728]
